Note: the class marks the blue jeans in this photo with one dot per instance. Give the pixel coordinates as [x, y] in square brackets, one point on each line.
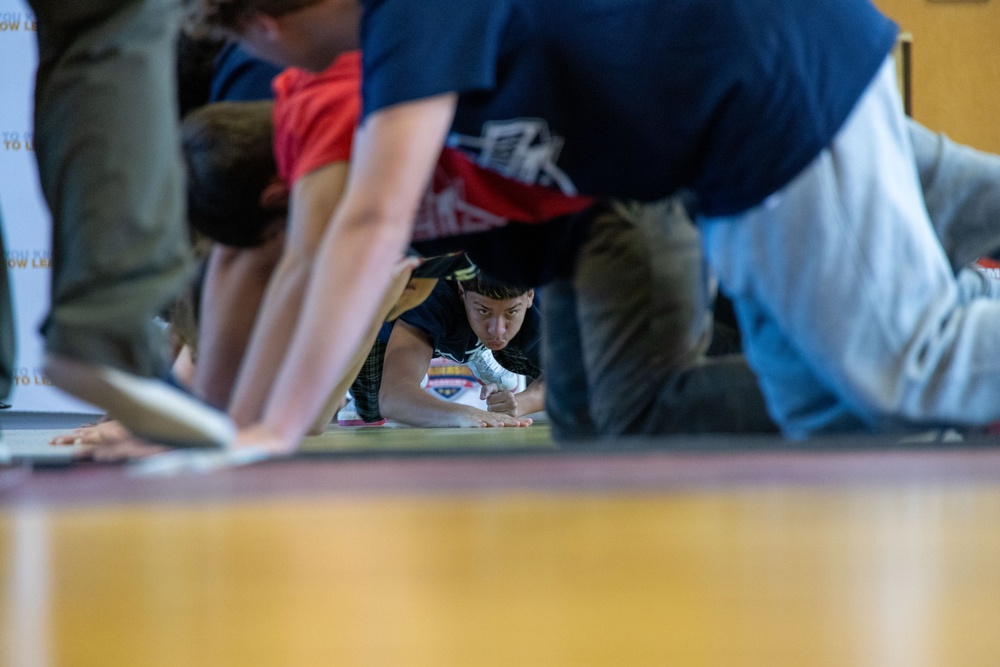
[624, 338]
[848, 302]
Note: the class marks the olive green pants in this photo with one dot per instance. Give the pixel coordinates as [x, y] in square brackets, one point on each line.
[8, 333]
[106, 140]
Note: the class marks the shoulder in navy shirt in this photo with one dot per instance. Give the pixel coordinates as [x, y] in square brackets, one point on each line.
[633, 98]
[240, 77]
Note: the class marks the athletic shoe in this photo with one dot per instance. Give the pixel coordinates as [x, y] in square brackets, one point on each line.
[149, 407]
[348, 416]
[489, 371]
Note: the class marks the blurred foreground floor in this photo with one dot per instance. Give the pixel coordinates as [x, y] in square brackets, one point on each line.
[497, 548]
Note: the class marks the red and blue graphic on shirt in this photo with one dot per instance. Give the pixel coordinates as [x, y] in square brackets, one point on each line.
[315, 116]
[448, 379]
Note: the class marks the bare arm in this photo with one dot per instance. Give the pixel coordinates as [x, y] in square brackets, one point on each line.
[401, 399]
[392, 302]
[314, 199]
[404, 293]
[393, 158]
[415, 292]
[235, 282]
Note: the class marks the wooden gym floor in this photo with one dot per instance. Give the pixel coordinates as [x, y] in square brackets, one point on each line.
[459, 547]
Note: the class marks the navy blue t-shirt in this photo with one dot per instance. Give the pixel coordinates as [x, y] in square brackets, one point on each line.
[442, 318]
[633, 98]
[240, 77]
[522, 254]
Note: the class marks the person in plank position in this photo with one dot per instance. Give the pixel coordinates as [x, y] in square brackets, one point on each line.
[492, 327]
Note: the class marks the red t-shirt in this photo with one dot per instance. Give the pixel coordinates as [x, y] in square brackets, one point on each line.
[315, 116]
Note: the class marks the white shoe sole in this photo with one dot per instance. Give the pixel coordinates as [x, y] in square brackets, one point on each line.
[489, 371]
[148, 407]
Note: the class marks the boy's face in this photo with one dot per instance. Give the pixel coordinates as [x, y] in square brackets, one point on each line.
[496, 321]
[270, 50]
[310, 38]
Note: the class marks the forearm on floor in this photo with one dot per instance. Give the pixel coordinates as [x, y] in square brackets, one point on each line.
[414, 406]
[532, 399]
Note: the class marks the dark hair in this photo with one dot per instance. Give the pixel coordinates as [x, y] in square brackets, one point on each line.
[195, 69]
[230, 160]
[492, 289]
[208, 18]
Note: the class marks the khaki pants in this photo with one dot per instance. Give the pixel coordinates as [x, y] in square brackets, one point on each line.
[624, 338]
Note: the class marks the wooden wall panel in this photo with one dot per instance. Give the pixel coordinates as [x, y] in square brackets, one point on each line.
[956, 66]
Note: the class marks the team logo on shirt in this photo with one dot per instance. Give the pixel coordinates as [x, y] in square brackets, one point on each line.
[522, 149]
[445, 210]
[450, 379]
